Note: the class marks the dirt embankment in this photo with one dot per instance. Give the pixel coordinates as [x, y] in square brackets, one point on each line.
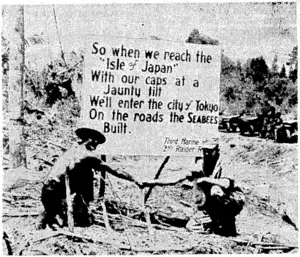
[268, 173]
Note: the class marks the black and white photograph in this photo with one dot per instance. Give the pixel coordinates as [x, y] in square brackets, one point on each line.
[149, 127]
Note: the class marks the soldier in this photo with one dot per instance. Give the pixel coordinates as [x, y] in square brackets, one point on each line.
[267, 109]
[271, 126]
[223, 201]
[79, 163]
[210, 159]
[217, 197]
[268, 116]
[279, 130]
[214, 195]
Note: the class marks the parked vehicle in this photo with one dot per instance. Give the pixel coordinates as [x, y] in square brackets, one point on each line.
[249, 124]
[291, 130]
[230, 123]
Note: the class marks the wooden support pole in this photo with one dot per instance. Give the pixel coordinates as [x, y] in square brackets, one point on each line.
[101, 196]
[105, 216]
[102, 179]
[146, 212]
[148, 220]
[195, 209]
[157, 176]
[69, 204]
[61, 48]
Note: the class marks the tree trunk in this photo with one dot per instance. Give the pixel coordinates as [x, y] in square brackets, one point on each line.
[15, 30]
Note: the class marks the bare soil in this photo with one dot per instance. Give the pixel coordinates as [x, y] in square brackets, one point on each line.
[266, 171]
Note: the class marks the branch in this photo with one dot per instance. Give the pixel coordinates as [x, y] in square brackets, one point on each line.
[139, 223]
[41, 251]
[185, 203]
[123, 246]
[19, 195]
[105, 216]
[8, 243]
[69, 204]
[156, 177]
[27, 242]
[263, 244]
[9, 200]
[168, 249]
[35, 109]
[118, 173]
[165, 181]
[20, 214]
[95, 240]
[72, 235]
[58, 145]
[69, 69]
[272, 248]
[45, 161]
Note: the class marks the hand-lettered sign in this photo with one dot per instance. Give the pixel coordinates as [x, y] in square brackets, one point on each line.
[151, 97]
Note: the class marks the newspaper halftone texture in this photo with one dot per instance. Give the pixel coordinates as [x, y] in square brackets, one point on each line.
[150, 129]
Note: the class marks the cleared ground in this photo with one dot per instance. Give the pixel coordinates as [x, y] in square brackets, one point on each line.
[266, 171]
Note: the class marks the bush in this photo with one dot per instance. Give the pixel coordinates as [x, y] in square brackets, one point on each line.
[248, 87]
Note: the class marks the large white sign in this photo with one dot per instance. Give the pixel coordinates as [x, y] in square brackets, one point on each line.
[151, 97]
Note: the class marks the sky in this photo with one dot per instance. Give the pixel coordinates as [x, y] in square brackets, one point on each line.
[245, 30]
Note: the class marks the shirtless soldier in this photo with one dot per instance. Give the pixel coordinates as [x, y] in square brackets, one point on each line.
[79, 162]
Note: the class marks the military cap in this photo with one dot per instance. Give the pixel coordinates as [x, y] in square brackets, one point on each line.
[85, 133]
